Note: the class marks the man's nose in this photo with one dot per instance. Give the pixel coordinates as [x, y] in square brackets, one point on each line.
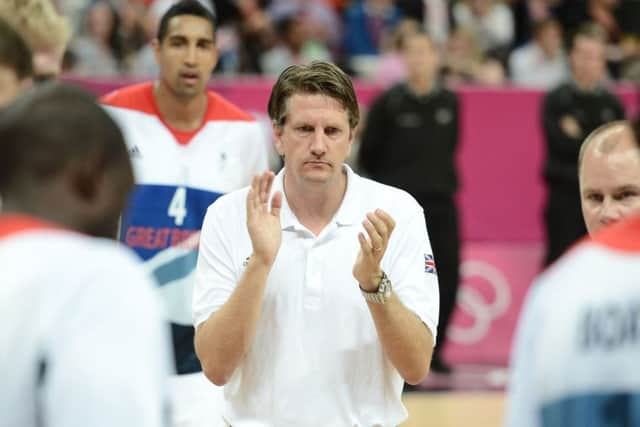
[318, 143]
[611, 211]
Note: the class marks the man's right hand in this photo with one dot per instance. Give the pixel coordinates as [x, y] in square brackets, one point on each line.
[263, 222]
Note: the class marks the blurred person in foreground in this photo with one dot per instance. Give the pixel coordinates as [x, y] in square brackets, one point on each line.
[16, 69]
[609, 174]
[577, 343]
[74, 303]
[313, 300]
[409, 141]
[45, 31]
[569, 113]
[188, 146]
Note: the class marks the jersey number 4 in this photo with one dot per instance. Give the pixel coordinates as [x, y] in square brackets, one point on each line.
[178, 206]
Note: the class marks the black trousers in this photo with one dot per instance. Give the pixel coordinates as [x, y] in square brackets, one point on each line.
[563, 221]
[441, 216]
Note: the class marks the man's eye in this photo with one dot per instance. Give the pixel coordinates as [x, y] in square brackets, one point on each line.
[626, 194]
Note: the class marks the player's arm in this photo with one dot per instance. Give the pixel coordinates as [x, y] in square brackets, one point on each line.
[227, 335]
[406, 340]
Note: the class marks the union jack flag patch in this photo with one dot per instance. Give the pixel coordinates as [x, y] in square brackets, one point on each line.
[429, 264]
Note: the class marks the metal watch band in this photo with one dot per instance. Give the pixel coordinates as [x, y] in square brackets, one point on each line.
[382, 294]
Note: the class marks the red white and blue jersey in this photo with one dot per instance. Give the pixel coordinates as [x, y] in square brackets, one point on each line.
[178, 175]
[67, 333]
[576, 353]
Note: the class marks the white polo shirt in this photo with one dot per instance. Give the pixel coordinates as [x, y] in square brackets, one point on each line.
[73, 309]
[577, 347]
[316, 359]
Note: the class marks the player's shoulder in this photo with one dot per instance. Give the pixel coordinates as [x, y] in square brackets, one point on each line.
[623, 236]
[221, 109]
[612, 253]
[137, 97]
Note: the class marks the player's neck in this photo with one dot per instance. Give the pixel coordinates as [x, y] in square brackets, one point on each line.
[36, 209]
[315, 204]
[181, 113]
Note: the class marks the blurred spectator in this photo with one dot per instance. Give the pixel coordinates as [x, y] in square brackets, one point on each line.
[569, 113]
[541, 63]
[143, 62]
[321, 21]
[490, 20]
[295, 46]
[436, 20]
[409, 142]
[367, 23]
[257, 35]
[465, 63]
[16, 68]
[95, 50]
[131, 34]
[45, 31]
[392, 66]
[526, 15]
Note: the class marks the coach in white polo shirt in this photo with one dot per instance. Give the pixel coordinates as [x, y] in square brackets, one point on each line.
[315, 295]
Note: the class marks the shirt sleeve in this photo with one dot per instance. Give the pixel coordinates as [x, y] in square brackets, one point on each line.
[108, 358]
[215, 278]
[411, 271]
[521, 407]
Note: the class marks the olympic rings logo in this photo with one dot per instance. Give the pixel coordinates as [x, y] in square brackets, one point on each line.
[477, 305]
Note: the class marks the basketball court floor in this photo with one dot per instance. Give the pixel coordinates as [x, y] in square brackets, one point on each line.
[473, 396]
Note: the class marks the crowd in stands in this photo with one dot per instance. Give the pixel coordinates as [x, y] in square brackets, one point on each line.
[492, 42]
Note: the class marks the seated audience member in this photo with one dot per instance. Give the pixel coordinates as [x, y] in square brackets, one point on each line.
[542, 63]
[16, 69]
[45, 31]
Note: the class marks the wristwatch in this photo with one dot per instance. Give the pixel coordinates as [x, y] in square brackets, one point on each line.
[383, 294]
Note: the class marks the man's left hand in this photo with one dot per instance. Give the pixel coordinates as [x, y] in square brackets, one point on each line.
[379, 225]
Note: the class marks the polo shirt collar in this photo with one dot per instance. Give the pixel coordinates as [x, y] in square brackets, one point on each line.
[347, 214]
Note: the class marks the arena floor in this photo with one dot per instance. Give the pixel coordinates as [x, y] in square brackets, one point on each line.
[473, 396]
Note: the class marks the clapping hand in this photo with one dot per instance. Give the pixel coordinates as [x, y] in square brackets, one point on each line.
[263, 221]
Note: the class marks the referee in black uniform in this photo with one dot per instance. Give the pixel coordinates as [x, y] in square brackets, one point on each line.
[409, 142]
[569, 113]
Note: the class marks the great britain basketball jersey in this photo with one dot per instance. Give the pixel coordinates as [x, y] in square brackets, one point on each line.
[178, 175]
[576, 353]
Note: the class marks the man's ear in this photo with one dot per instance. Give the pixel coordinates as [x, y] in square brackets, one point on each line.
[86, 179]
[155, 44]
[277, 137]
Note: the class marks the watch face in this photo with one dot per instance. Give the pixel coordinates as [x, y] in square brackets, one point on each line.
[387, 291]
[385, 287]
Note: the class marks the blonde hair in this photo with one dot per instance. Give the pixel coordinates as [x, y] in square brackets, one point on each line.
[38, 22]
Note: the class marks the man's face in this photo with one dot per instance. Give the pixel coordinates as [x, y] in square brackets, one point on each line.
[10, 85]
[315, 138]
[187, 55]
[420, 56]
[610, 183]
[550, 39]
[588, 61]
